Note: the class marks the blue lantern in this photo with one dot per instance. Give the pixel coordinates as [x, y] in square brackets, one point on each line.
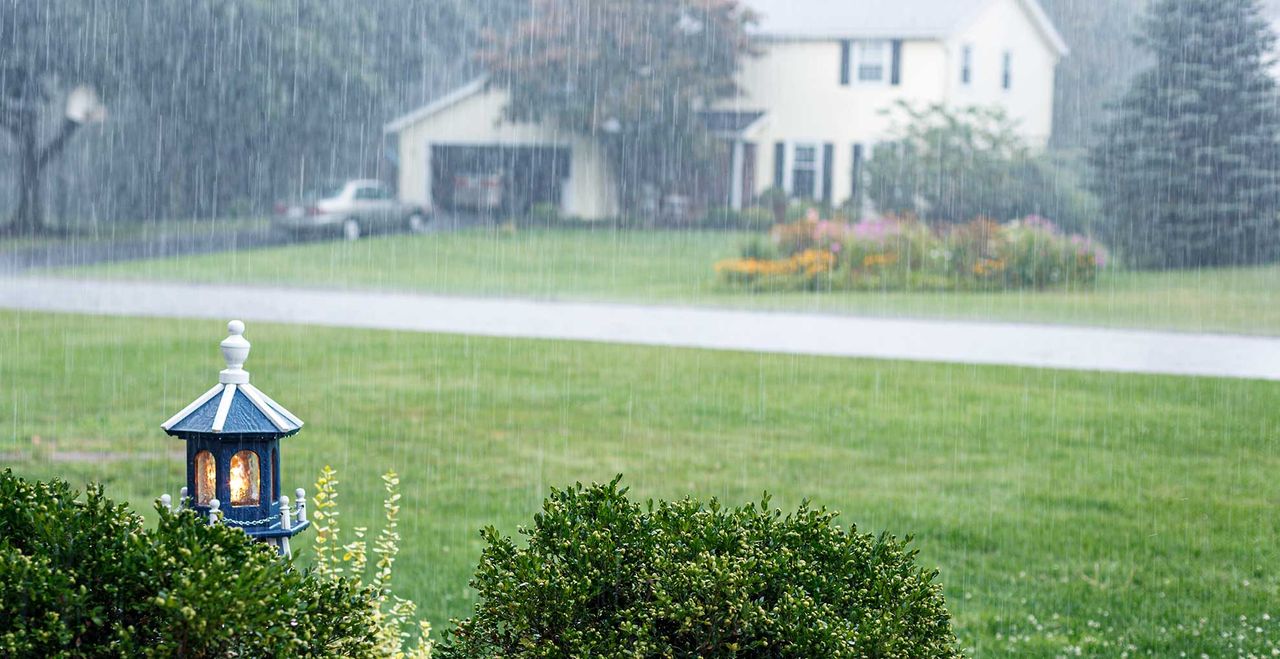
[233, 434]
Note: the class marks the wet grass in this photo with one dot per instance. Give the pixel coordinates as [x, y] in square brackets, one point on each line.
[106, 233]
[676, 268]
[1065, 510]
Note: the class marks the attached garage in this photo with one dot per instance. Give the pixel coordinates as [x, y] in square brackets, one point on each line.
[460, 153]
[513, 179]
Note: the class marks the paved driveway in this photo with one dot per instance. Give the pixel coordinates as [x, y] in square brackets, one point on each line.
[795, 333]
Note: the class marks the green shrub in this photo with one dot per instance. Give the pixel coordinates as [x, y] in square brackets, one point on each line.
[601, 576]
[543, 214]
[84, 578]
[953, 165]
[753, 218]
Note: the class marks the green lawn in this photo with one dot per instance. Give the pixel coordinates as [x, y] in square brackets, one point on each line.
[85, 233]
[676, 267]
[1106, 512]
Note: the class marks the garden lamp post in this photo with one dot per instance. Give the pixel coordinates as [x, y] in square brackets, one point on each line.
[233, 434]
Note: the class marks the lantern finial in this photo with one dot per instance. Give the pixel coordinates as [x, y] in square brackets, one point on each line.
[235, 349]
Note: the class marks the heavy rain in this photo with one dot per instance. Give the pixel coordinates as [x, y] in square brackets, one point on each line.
[639, 328]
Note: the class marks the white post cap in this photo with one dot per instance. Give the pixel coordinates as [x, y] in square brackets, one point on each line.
[235, 349]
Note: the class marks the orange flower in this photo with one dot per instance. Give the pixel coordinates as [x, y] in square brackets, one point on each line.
[812, 262]
[876, 260]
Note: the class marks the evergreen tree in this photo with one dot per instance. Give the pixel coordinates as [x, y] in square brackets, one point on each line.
[1189, 167]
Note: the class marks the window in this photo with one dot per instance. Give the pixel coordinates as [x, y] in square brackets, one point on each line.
[871, 60]
[1006, 77]
[371, 193]
[206, 478]
[804, 171]
[245, 479]
[966, 65]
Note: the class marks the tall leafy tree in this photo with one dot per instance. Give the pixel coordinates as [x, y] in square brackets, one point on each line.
[216, 106]
[632, 73]
[46, 49]
[1189, 168]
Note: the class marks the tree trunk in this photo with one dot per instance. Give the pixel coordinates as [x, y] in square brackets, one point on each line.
[29, 219]
[30, 216]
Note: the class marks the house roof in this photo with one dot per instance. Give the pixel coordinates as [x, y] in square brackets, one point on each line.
[730, 122]
[233, 408]
[898, 19]
[821, 19]
[472, 87]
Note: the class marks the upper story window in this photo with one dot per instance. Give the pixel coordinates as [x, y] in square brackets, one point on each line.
[966, 65]
[871, 61]
[1006, 75]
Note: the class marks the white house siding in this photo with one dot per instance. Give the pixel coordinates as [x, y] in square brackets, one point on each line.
[476, 120]
[797, 81]
[798, 84]
[1005, 26]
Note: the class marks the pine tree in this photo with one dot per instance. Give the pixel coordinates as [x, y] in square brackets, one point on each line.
[1189, 167]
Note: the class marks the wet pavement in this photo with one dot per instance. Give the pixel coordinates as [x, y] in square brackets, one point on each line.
[1012, 344]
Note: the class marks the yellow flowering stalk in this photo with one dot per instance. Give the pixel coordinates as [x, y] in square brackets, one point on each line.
[392, 614]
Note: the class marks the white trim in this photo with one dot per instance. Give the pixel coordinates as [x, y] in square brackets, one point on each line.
[787, 152]
[752, 131]
[224, 407]
[427, 163]
[278, 407]
[1047, 29]
[472, 88]
[1039, 19]
[276, 420]
[204, 398]
[735, 176]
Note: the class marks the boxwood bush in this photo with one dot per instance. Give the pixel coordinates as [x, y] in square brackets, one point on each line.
[83, 577]
[602, 576]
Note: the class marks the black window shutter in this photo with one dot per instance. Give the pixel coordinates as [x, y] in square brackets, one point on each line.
[779, 161]
[845, 47]
[895, 76]
[828, 164]
[857, 173]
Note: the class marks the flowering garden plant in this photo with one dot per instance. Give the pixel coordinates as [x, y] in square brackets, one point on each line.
[904, 254]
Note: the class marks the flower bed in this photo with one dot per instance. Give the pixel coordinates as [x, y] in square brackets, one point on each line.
[899, 254]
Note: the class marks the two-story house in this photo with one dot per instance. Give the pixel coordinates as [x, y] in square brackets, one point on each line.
[811, 110]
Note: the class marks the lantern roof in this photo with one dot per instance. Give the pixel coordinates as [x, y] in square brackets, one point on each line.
[233, 408]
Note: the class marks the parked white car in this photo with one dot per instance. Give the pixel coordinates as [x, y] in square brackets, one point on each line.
[353, 209]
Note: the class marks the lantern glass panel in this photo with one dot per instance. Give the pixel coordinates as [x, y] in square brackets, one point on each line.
[206, 472]
[245, 479]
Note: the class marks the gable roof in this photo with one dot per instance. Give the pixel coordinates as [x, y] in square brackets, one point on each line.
[471, 88]
[882, 19]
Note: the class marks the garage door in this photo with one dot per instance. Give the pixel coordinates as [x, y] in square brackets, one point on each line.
[484, 178]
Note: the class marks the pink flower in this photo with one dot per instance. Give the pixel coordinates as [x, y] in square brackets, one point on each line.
[1042, 223]
[835, 248]
[876, 230]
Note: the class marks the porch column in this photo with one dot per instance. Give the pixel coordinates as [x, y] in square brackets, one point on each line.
[735, 176]
[428, 195]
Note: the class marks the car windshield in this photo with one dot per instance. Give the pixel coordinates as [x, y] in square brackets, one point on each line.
[328, 191]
